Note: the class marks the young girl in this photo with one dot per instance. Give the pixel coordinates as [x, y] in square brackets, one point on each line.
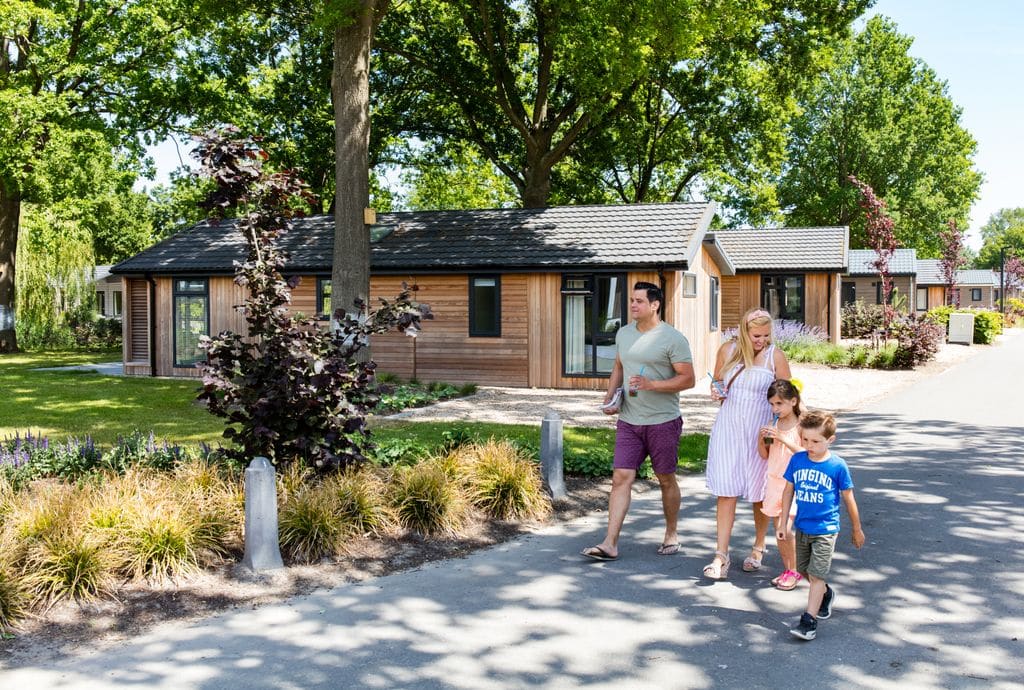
[778, 443]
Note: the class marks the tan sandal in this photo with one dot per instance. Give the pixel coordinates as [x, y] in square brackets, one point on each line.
[718, 568]
[750, 564]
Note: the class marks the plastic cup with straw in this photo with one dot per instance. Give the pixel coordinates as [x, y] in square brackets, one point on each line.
[768, 440]
[633, 390]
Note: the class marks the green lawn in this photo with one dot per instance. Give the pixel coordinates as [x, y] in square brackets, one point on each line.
[62, 404]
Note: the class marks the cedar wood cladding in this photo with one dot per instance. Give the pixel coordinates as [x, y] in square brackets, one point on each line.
[530, 248]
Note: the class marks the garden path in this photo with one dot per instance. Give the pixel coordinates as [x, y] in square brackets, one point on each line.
[833, 389]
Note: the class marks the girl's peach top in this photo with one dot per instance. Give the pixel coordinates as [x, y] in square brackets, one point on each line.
[778, 460]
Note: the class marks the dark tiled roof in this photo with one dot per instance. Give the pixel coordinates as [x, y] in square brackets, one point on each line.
[786, 249]
[903, 262]
[591, 236]
[929, 272]
[977, 277]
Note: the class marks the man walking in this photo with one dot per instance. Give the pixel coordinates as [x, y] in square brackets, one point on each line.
[654, 358]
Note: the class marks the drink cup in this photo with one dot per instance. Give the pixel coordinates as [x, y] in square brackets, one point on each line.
[633, 391]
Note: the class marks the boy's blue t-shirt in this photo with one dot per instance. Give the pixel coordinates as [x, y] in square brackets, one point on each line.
[816, 491]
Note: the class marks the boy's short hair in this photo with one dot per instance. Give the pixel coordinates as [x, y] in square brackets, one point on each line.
[654, 293]
[822, 421]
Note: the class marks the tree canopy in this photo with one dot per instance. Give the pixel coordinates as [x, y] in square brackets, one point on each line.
[78, 80]
[883, 116]
[1004, 230]
[530, 85]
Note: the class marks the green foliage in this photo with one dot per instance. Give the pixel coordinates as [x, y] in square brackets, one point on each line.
[452, 175]
[71, 564]
[427, 500]
[54, 269]
[987, 324]
[394, 398]
[884, 116]
[861, 320]
[308, 526]
[505, 483]
[13, 597]
[360, 502]
[289, 389]
[557, 97]
[1004, 230]
[80, 89]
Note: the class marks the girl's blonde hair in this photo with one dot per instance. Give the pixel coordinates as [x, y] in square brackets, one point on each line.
[744, 351]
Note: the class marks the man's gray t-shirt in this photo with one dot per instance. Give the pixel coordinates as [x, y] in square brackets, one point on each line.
[655, 351]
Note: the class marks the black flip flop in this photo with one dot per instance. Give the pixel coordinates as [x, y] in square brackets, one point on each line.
[601, 554]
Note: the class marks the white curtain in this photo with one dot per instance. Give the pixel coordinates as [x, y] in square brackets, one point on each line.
[575, 334]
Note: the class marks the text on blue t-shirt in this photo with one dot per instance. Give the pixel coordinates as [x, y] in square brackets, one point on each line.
[817, 488]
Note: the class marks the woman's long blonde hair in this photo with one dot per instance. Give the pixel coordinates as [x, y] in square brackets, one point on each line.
[745, 347]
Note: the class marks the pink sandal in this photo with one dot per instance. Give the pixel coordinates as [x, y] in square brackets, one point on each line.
[788, 580]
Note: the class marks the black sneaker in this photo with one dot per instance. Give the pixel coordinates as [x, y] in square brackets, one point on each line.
[826, 603]
[807, 628]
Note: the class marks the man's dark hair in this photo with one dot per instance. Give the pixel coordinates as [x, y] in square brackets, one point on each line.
[654, 293]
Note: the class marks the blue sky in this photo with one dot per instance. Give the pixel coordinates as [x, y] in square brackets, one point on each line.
[978, 49]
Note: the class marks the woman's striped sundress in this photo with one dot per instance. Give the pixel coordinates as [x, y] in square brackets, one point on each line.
[734, 467]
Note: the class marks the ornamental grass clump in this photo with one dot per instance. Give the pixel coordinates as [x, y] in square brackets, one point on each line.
[360, 502]
[308, 525]
[70, 564]
[506, 484]
[169, 533]
[428, 500]
[13, 598]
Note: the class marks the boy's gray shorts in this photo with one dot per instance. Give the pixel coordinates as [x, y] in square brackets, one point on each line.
[814, 553]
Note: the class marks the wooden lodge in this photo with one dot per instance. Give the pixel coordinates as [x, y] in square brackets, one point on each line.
[521, 297]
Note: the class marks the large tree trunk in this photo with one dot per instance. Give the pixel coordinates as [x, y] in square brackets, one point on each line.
[350, 91]
[536, 191]
[10, 209]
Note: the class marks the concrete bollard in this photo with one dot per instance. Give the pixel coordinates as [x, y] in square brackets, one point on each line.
[551, 461]
[262, 549]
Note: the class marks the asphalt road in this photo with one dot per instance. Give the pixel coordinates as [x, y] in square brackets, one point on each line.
[934, 600]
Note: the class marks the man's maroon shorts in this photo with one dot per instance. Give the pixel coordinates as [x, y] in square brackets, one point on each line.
[634, 442]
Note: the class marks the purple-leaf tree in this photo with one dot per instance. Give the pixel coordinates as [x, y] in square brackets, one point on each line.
[952, 260]
[882, 238]
[290, 389]
[1013, 270]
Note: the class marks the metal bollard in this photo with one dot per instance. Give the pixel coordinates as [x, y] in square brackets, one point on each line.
[551, 461]
[262, 549]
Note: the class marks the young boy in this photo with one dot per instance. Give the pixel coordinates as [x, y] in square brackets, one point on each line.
[817, 477]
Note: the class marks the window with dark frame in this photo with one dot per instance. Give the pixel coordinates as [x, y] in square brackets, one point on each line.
[849, 293]
[593, 309]
[191, 305]
[975, 294]
[922, 299]
[100, 303]
[485, 306]
[118, 303]
[713, 306]
[323, 298]
[782, 296]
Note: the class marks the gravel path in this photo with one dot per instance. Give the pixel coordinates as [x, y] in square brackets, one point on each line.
[828, 388]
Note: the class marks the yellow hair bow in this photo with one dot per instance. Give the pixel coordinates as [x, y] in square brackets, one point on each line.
[798, 384]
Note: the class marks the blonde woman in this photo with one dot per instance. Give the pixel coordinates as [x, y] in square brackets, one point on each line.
[744, 368]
